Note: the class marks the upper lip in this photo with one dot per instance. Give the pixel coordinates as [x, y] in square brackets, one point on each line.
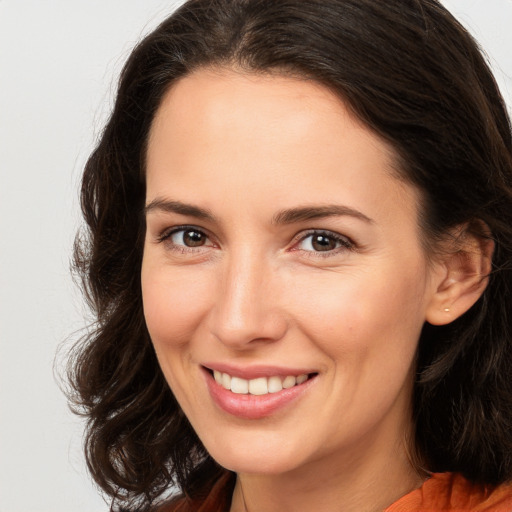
[256, 370]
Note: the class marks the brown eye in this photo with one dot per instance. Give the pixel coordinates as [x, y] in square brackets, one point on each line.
[193, 238]
[187, 238]
[323, 243]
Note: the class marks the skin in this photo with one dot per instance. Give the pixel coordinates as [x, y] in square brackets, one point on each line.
[255, 291]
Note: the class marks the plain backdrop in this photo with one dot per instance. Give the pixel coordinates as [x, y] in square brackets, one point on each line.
[59, 60]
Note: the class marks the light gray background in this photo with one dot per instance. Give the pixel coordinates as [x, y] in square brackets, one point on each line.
[58, 63]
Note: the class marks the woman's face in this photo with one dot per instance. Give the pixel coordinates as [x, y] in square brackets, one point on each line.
[280, 247]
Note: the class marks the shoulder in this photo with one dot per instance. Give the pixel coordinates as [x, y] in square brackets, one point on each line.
[452, 492]
[176, 504]
[217, 500]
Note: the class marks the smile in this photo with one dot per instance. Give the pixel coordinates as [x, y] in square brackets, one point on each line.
[256, 392]
[258, 386]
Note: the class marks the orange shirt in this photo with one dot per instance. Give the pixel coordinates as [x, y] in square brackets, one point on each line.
[442, 492]
[218, 499]
[452, 492]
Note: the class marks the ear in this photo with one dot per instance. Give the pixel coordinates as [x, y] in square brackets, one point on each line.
[462, 273]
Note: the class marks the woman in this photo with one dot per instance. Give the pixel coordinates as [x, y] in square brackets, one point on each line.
[299, 249]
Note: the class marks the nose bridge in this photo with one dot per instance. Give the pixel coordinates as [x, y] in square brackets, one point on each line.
[247, 308]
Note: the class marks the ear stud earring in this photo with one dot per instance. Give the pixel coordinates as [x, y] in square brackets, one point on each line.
[446, 310]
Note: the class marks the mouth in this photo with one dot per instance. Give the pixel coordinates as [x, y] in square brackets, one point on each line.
[259, 386]
[262, 393]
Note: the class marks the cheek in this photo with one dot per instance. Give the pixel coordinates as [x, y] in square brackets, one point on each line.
[356, 314]
[174, 303]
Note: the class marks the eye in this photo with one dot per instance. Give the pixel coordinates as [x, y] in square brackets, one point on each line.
[188, 237]
[323, 241]
[185, 238]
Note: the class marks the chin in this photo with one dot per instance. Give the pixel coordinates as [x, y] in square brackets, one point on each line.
[256, 464]
[263, 455]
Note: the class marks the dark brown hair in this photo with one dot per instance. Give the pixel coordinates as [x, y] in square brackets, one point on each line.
[412, 74]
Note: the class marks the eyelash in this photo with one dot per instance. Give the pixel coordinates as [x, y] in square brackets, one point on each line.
[343, 243]
[165, 237]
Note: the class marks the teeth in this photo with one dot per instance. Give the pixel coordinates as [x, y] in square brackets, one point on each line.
[239, 386]
[259, 386]
[275, 384]
[302, 378]
[289, 382]
[226, 381]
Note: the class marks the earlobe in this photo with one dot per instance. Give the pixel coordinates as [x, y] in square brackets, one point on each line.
[463, 274]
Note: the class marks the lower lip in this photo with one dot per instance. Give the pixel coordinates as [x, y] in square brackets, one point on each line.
[253, 407]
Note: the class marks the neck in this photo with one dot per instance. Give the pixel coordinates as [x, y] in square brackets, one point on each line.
[354, 485]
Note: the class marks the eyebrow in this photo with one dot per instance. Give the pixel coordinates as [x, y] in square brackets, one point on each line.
[301, 214]
[288, 216]
[190, 210]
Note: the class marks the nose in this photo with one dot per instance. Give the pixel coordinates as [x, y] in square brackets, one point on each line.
[247, 310]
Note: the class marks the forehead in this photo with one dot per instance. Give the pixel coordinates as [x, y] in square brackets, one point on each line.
[287, 138]
[201, 98]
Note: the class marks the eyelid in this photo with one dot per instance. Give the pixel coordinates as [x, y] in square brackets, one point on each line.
[165, 235]
[346, 242]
